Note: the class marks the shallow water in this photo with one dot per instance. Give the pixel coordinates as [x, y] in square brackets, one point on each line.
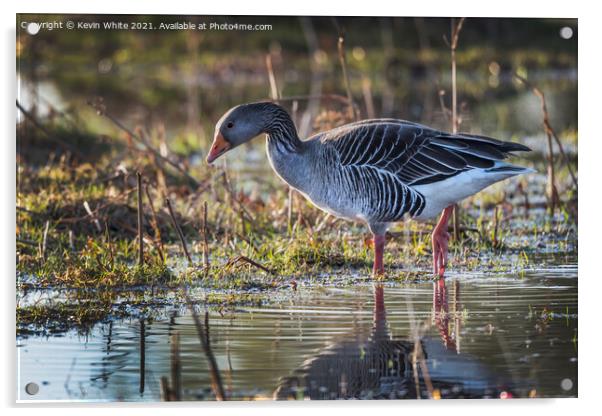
[482, 335]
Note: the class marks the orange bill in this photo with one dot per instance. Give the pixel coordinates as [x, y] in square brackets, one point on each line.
[218, 148]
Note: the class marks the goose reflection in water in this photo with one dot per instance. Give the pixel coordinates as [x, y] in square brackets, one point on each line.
[377, 365]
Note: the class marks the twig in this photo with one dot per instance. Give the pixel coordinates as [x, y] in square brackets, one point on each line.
[100, 110]
[178, 231]
[140, 224]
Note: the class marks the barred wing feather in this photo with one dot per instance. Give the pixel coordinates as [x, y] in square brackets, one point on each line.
[388, 157]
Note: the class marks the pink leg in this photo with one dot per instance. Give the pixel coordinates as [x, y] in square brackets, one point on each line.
[440, 239]
[379, 248]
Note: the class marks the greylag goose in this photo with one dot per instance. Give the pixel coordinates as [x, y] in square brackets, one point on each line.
[375, 171]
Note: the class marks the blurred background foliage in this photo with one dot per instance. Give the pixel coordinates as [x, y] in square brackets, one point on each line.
[183, 80]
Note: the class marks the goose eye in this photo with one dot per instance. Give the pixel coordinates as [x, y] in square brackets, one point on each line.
[230, 125]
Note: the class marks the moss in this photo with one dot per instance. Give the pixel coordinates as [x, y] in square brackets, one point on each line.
[62, 317]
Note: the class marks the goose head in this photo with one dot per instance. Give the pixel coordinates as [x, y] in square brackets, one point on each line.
[238, 125]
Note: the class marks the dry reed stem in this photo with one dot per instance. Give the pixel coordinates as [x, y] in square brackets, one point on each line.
[140, 220]
[495, 226]
[548, 126]
[44, 240]
[274, 93]
[178, 231]
[552, 190]
[155, 225]
[205, 243]
[289, 214]
[455, 33]
[110, 244]
[71, 241]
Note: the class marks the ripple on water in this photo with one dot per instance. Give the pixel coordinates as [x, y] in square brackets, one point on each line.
[483, 336]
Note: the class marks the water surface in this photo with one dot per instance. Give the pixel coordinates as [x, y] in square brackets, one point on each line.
[481, 336]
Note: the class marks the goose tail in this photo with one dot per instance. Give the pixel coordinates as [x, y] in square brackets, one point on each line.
[508, 170]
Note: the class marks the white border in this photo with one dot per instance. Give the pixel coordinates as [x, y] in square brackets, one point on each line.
[590, 158]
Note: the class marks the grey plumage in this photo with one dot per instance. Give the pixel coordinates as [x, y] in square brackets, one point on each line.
[375, 171]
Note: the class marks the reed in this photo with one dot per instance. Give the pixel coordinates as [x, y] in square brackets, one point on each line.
[140, 220]
[178, 231]
[552, 188]
[203, 334]
[205, 241]
[456, 28]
